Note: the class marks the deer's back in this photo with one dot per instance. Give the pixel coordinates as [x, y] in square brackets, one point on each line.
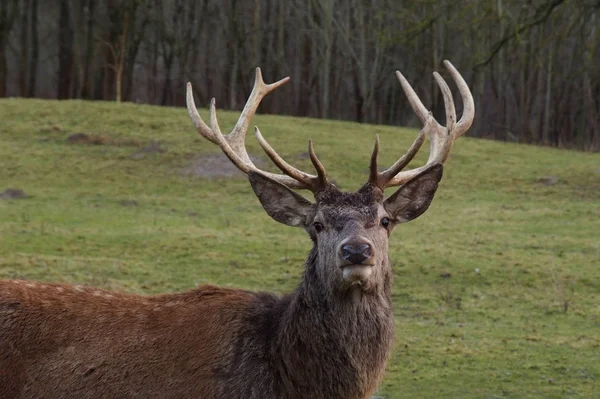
[71, 341]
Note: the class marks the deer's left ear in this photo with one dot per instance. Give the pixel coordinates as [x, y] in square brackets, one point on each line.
[281, 203]
[415, 196]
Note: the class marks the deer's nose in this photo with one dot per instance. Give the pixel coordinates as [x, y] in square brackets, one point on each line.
[356, 253]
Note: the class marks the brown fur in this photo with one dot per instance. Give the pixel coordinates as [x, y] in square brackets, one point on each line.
[324, 340]
[63, 341]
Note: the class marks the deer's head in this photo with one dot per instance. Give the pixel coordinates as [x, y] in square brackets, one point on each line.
[350, 230]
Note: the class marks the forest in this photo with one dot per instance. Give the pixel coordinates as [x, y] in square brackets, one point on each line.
[532, 65]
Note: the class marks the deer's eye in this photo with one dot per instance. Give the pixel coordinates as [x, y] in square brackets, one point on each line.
[318, 227]
[385, 222]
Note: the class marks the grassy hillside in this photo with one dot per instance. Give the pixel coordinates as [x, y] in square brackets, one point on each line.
[497, 286]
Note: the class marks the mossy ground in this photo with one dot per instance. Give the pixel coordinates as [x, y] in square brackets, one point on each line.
[514, 229]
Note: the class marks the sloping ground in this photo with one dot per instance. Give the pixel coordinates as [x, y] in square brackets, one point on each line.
[497, 286]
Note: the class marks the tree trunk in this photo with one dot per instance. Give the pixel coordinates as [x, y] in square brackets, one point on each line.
[153, 86]
[121, 58]
[3, 71]
[24, 42]
[233, 76]
[8, 15]
[65, 51]
[90, 51]
[257, 33]
[548, 99]
[35, 50]
[327, 17]
[167, 87]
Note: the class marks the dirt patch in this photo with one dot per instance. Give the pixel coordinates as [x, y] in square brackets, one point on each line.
[13, 193]
[303, 155]
[152, 147]
[102, 139]
[216, 165]
[548, 180]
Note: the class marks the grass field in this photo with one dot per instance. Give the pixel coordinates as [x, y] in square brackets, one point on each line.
[497, 286]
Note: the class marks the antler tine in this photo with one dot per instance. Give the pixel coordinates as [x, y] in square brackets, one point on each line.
[237, 137]
[201, 127]
[413, 99]
[233, 144]
[448, 101]
[440, 144]
[468, 115]
[441, 137]
[308, 181]
[380, 179]
[373, 172]
[221, 142]
[285, 167]
[239, 162]
[321, 173]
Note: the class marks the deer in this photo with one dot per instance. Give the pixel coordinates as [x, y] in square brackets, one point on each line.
[329, 338]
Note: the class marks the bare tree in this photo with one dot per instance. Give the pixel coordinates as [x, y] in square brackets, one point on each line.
[9, 11]
[532, 65]
[65, 51]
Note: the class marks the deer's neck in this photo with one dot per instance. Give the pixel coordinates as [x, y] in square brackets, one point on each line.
[334, 344]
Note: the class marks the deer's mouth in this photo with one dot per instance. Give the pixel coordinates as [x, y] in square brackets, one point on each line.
[356, 273]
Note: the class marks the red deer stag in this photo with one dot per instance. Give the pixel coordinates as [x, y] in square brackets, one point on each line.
[330, 338]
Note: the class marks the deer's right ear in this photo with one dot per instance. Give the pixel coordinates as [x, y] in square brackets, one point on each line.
[281, 203]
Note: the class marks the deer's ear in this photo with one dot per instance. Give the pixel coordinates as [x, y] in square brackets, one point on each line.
[281, 203]
[415, 196]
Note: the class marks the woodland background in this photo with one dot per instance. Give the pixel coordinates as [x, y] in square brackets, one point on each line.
[533, 66]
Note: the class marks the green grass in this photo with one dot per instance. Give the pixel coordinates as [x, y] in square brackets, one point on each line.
[526, 326]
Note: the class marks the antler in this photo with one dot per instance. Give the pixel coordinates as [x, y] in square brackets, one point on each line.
[441, 138]
[234, 143]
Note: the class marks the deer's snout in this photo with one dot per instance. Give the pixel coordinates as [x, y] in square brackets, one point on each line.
[356, 253]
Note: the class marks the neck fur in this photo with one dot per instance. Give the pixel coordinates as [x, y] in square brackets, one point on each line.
[334, 344]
